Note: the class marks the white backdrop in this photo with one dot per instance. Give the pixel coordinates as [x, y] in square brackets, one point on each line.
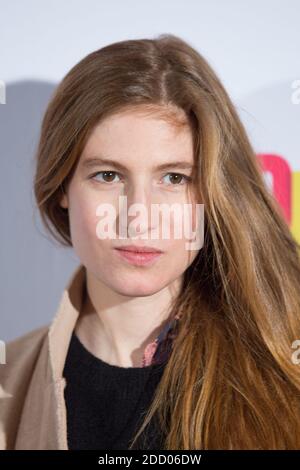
[254, 46]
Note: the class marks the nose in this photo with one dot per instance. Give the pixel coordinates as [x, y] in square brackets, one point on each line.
[135, 213]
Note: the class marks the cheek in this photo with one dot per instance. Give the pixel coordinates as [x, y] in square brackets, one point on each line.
[183, 249]
[184, 222]
[83, 222]
[182, 255]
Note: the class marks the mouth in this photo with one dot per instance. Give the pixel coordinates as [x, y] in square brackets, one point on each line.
[139, 256]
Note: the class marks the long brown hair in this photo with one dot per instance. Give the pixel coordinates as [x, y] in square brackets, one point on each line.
[230, 382]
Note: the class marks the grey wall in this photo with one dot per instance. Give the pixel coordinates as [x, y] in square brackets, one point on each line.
[33, 268]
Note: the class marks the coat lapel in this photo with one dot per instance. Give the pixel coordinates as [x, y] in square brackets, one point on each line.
[43, 423]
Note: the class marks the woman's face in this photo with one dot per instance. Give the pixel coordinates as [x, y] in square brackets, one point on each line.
[137, 146]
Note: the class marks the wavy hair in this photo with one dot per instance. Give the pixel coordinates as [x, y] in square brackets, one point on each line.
[230, 382]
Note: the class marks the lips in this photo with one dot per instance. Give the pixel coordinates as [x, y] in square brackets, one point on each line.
[139, 249]
[139, 256]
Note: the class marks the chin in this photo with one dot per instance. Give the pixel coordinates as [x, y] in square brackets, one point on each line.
[136, 289]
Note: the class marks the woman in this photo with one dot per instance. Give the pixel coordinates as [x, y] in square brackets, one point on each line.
[197, 342]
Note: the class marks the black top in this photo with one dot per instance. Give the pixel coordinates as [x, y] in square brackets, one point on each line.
[106, 403]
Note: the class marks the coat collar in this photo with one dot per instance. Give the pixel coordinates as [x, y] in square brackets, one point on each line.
[43, 421]
[63, 323]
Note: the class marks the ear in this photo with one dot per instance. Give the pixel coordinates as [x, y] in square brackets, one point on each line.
[64, 200]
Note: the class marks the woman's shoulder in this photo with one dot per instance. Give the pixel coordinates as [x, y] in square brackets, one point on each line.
[20, 355]
[29, 338]
[25, 344]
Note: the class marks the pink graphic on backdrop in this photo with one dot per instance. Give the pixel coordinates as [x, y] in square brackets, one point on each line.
[281, 173]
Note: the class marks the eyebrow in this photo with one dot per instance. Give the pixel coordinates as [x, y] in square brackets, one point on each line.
[96, 161]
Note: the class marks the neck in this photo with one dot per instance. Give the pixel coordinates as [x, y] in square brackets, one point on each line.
[117, 328]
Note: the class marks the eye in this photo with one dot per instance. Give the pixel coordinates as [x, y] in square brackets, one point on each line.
[107, 175]
[178, 178]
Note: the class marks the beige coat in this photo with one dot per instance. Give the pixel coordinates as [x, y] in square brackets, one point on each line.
[32, 406]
